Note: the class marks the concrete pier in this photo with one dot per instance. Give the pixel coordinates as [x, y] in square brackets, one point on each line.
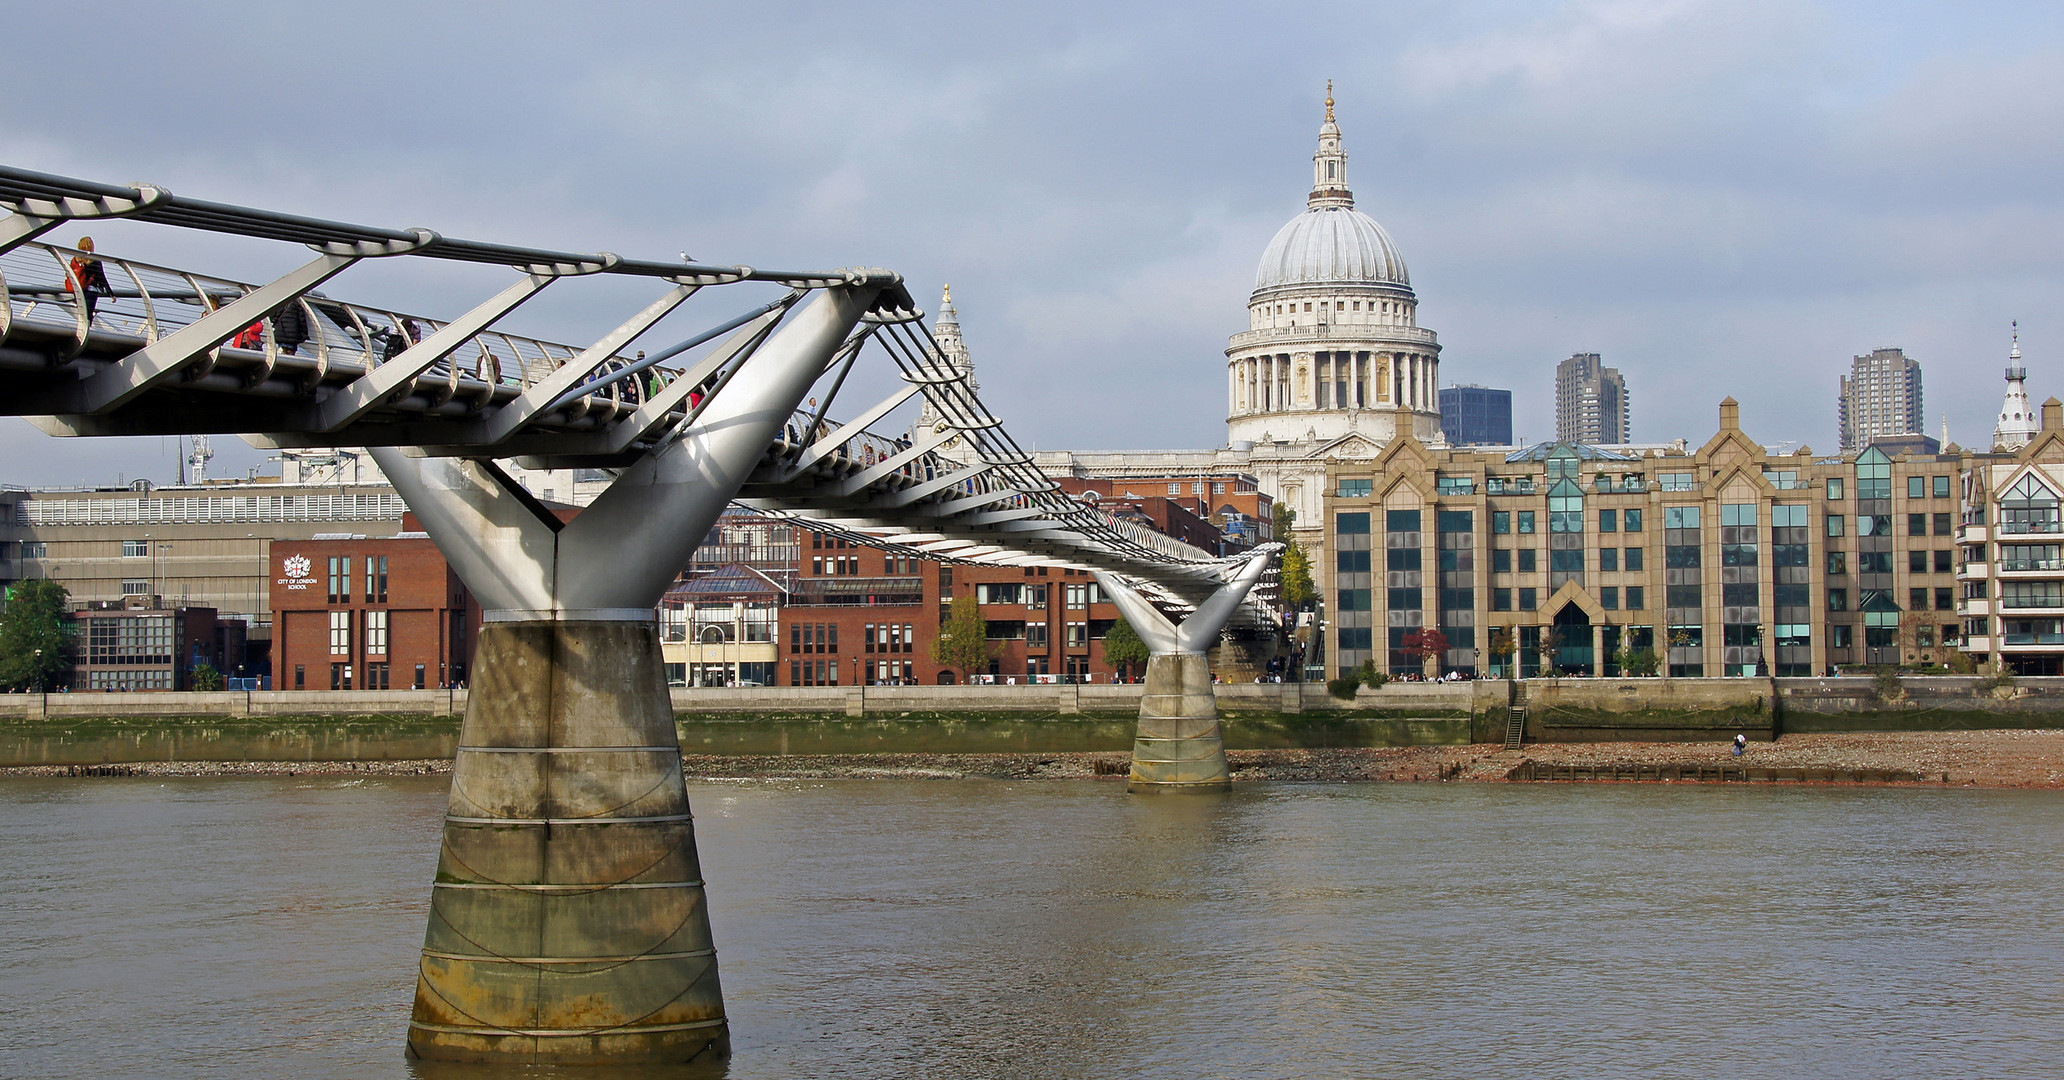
[568, 922]
[1179, 745]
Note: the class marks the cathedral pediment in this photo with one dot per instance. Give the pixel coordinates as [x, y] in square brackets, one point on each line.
[1353, 446]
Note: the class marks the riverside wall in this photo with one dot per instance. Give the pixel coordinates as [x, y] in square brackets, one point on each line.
[103, 728]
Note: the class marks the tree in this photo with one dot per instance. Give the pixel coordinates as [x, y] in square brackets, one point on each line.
[1552, 637]
[1635, 661]
[963, 643]
[1502, 646]
[1427, 645]
[38, 639]
[1123, 648]
[205, 677]
[1298, 592]
[1918, 638]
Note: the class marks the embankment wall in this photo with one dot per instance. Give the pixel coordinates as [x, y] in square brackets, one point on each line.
[403, 724]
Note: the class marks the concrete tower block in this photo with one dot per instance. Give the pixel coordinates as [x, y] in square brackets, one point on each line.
[568, 922]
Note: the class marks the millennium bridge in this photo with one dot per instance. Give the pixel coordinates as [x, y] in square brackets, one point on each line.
[568, 921]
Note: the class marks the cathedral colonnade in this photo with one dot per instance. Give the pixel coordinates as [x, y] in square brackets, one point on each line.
[1338, 379]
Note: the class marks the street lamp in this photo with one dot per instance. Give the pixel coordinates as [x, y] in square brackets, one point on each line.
[38, 654]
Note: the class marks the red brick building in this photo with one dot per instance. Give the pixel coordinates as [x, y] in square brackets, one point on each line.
[369, 613]
[858, 615]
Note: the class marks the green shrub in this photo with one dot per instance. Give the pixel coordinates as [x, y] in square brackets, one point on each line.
[1344, 688]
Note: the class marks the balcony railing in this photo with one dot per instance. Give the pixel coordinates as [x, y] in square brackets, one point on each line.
[2011, 528]
[2031, 564]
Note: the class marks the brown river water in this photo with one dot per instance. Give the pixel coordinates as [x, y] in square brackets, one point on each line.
[268, 927]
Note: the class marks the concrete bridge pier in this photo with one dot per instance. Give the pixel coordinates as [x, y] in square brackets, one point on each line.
[568, 922]
[1178, 745]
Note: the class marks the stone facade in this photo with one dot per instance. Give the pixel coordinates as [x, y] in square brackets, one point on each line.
[1724, 560]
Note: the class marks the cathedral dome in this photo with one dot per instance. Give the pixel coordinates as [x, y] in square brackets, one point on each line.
[1331, 245]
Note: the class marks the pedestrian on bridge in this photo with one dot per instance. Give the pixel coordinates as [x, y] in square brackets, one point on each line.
[1741, 744]
[290, 327]
[87, 277]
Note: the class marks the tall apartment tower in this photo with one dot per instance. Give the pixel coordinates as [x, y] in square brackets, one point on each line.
[1590, 402]
[1881, 396]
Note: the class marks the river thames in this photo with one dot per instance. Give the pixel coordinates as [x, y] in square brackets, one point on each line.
[269, 926]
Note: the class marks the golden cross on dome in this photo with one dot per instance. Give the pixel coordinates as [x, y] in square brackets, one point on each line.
[1329, 101]
[949, 294]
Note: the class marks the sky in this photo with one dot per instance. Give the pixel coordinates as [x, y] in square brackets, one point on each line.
[1721, 198]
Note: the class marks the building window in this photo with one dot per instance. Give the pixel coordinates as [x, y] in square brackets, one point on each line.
[376, 677]
[1609, 598]
[300, 677]
[1633, 559]
[136, 588]
[1608, 559]
[1841, 636]
[1632, 518]
[1837, 563]
[1608, 521]
[1526, 599]
[340, 579]
[1636, 596]
[135, 549]
[1354, 489]
[1501, 522]
[1942, 487]
[375, 639]
[35, 549]
[1916, 562]
[1916, 487]
[375, 583]
[1527, 559]
[420, 673]
[1945, 599]
[340, 634]
[1501, 599]
[1836, 526]
[1526, 521]
[1078, 635]
[1834, 487]
[340, 676]
[1501, 560]
[1945, 562]
[1838, 599]
[1676, 481]
[1942, 525]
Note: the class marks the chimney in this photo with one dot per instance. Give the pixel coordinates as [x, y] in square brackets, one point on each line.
[1730, 415]
[2053, 415]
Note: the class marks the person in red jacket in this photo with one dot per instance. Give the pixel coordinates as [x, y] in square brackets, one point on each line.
[86, 277]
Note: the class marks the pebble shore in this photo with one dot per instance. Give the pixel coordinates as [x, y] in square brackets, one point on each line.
[1992, 759]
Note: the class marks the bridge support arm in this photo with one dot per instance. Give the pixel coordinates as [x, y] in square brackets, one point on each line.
[567, 806]
[1178, 745]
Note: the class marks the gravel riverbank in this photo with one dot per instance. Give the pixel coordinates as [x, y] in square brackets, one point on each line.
[2000, 759]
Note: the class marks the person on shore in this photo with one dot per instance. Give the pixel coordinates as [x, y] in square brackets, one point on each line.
[1741, 744]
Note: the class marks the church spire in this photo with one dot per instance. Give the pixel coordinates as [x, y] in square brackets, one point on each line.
[1329, 165]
